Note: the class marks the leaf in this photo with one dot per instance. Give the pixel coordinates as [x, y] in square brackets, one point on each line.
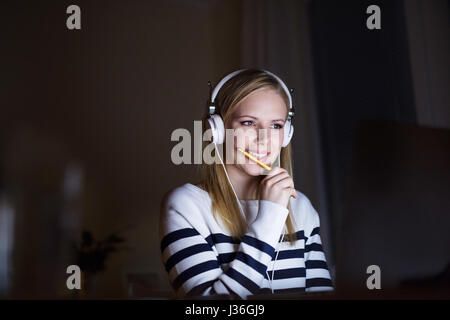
[109, 249]
[87, 239]
[114, 239]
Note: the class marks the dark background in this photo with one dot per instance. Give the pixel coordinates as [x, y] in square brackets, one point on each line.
[86, 118]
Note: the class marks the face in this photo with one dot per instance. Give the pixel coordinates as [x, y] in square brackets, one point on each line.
[257, 122]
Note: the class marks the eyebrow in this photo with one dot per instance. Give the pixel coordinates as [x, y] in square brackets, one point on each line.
[257, 118]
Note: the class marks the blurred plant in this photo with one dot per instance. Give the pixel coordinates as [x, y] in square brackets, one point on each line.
[91, 255]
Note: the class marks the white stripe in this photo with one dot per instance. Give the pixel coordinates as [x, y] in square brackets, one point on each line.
[235, 286]
[316, 289]
[189, 262]
[220, 288]
[199, 279]
[314, 239]
[256, 253]
[226, 247]
[247, 271]
[287, 245]
[265, 284]
[317, 273]
[289, 283]
[315, 255]
[181, 244]
[287, 264]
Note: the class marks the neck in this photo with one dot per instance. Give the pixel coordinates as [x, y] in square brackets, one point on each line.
[246, 186]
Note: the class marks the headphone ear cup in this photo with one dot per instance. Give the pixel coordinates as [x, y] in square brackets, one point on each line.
[217, 128]
[288, 133]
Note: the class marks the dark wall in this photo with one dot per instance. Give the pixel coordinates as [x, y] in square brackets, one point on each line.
[359, 73]
[105, 99]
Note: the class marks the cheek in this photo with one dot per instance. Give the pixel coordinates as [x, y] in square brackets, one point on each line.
[243, 137]
[277, 138]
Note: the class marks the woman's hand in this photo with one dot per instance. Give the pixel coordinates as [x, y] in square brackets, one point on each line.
[277, 187]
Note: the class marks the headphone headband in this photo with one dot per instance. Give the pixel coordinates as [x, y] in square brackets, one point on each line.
[212, 107]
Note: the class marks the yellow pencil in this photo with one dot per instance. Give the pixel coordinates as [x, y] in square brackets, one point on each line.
[265, 166]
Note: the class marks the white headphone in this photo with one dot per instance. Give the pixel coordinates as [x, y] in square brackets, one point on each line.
[216, 122]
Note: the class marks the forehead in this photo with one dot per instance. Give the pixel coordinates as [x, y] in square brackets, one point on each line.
[262, 103]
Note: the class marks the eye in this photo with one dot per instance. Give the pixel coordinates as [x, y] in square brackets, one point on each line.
[277, 126]
[247, 123]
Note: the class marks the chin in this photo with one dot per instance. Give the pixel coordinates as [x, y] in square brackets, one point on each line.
[253, 170]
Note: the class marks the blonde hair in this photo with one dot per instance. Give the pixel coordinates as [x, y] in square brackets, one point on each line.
[214, 180]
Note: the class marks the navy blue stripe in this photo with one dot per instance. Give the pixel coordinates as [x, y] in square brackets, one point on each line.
[299, 235]
[209, 240]
[288, 273]
[193, 271]
[186, 252]
[313, 247]
[265, 291]
[315, 231]
[222, 238]
[226, 257]
[198, 290]
[290, 254]
[251, 262]
[291, 290]
[282, 255]
[316, 264]
[318, 282]
[243, 280]
[177, 235]
[258, 244]
[215, 238]
[285, 254]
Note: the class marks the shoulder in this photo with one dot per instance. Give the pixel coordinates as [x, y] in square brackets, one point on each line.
[184, 195]
[185, 204]
[305, 215]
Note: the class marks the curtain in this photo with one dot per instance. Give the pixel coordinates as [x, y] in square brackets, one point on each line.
[275, 37]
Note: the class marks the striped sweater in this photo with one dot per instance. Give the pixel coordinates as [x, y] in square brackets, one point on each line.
[202, 259]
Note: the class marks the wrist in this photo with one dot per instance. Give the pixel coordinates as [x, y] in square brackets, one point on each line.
[269, 221]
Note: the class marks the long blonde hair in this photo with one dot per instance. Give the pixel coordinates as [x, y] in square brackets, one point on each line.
[214, 180]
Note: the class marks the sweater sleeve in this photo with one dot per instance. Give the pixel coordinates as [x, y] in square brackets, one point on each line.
[192, 262]
[317, 275]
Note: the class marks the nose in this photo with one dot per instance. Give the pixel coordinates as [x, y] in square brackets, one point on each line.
[263, 139]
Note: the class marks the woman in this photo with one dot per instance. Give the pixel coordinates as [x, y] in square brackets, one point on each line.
[240, 231]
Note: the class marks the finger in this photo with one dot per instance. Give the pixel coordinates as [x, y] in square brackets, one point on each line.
[275, 179]
[274, 172]
[293, 193]
[284, 182]
[276, 176]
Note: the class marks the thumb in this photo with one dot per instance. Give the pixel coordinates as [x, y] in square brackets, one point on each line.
[294, 193]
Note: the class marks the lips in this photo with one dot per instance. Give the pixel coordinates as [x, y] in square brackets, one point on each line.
[261, 156]
[258, 154]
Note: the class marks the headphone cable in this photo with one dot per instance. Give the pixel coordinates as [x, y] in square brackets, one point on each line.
[240, 206]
